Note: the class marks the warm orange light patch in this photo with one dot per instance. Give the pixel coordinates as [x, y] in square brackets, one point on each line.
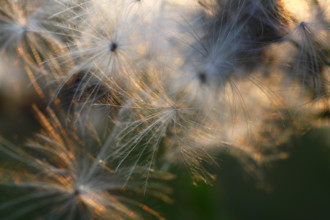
[298, 8]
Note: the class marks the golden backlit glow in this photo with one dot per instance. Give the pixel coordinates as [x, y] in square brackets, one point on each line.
[306, 10]
[298, 8]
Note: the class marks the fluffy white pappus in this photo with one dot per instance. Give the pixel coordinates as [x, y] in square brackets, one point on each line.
[309, 22]
[24, 33]
[144, 122]
[109, 44]
[312, 63]
[310, 16]
[62, 178]
[303, 56]
[222, 45]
